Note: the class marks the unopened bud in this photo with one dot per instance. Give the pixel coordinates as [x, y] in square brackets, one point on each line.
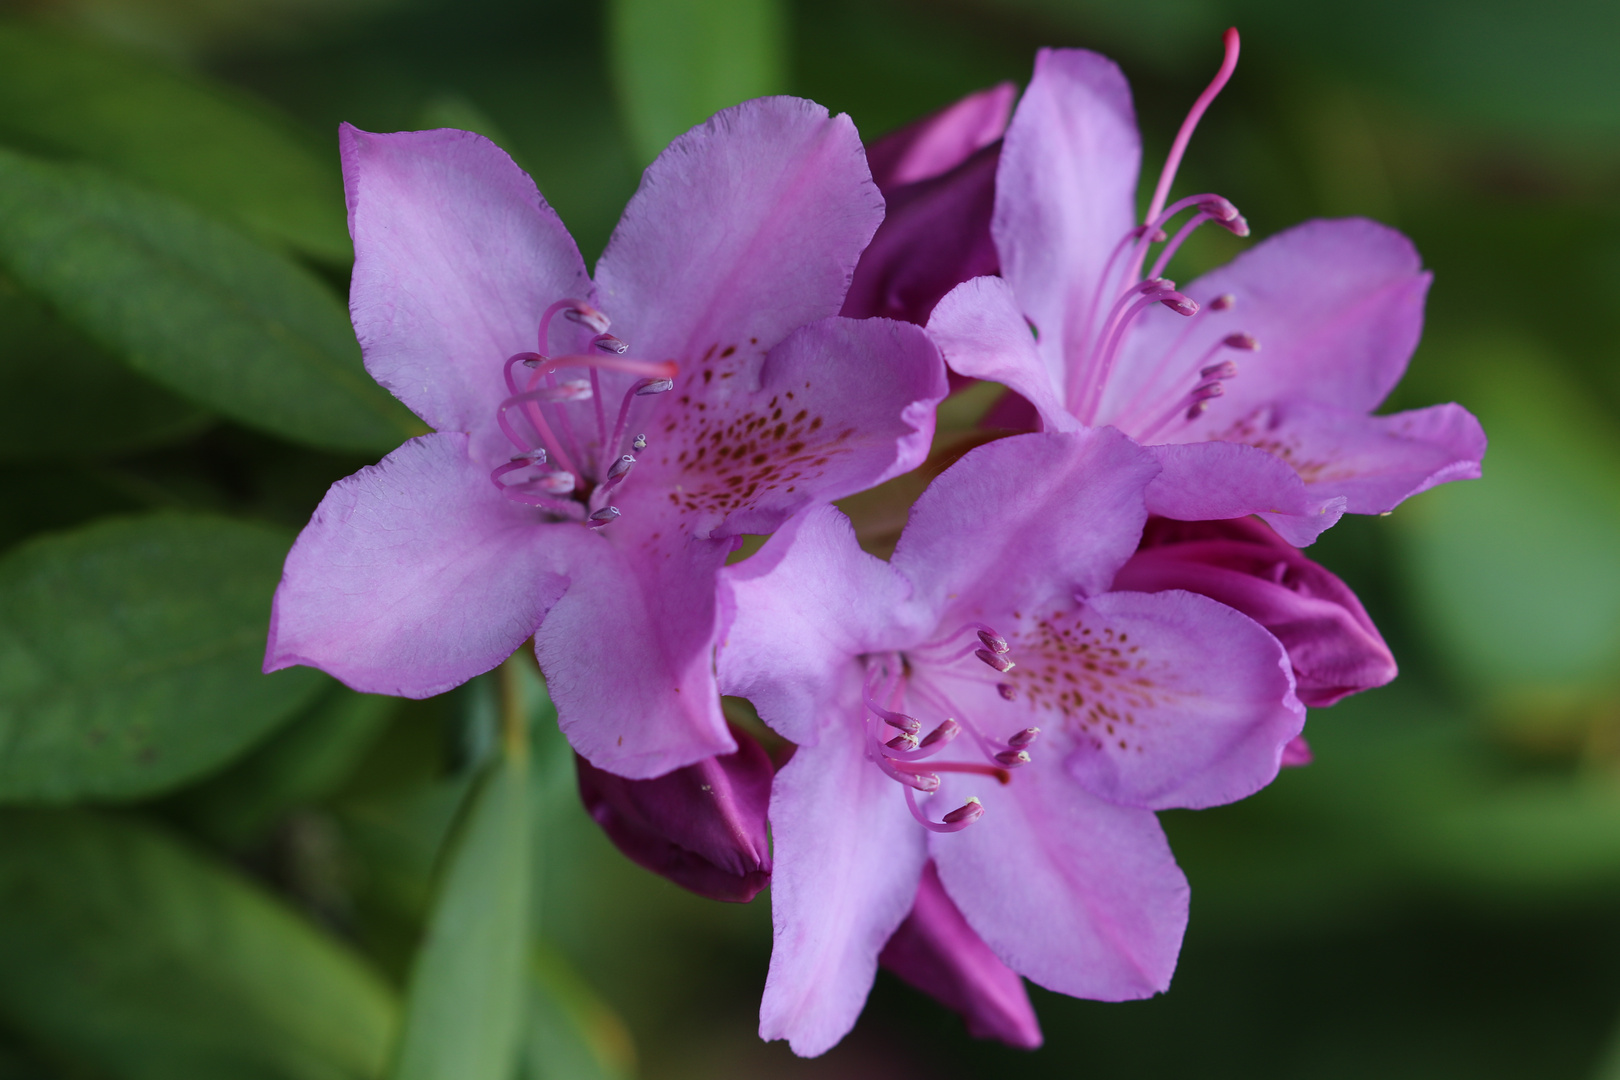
[702, 827]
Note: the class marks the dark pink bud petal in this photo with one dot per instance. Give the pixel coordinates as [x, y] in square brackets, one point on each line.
[1332, 644]
[938, 953]
[702, 827]
[1297, 753]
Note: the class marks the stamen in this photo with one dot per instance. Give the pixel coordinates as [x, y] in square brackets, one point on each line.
[610, 344]
[622, 466]
[1179, 147]
[955, 821]
[639, 442]
[586, 316]
[967, 813]
[1007, 691]
[904, 742]
[603, 516]
[1000, 663]
[1013, 758]
[1024, 738]
[654, 386]
[994, 641]
[1223, 302]
[943, 734]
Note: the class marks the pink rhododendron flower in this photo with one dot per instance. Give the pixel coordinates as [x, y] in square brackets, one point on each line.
[1060, 715]
[585, 486]
[1256, 382]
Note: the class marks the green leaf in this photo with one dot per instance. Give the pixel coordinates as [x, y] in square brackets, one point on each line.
[63, 396]
[194, 305]
[467, 983]
[199, 141]
[1517, 575]
[675, 62]
[301, 764]
[571, 1033]
[126, 951]
[130, 652]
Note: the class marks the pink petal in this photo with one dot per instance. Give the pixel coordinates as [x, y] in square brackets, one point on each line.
[1337, 307]
[1066, 191]
[1213, 481]
[1193, 712]
[414, 575]
[982, 334]
[1024, 519]
[941, 141]
[628, 652]
[936, 951]
[1080, 896]
[746, 227]
[456, 258]
[848, 858]
[1297, 753]
[798, 612]
[1372, 462]
[838, 407]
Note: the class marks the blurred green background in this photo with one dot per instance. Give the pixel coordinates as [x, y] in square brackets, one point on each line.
[217, 874]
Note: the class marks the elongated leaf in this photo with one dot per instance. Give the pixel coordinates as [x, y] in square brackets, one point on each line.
[300, 764]
[571, 1033]
[677, 61]
[467, 984]
[130, 653]
[197, 140]
[126, 951]
[64, 396]
[193, 304]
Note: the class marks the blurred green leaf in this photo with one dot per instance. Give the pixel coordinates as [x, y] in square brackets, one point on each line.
[200, 141]
[194, 305]
[571, 1034]
[130, 652]
[1518, 574]
[124, 950]
[63, 396]
[466, 989]
[301, 764]
[677, 61]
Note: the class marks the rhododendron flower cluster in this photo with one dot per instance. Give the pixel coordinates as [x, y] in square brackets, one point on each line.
[1096, 615]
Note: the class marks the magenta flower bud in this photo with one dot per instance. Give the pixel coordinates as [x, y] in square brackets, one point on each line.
[936, 951]
[702, 827]
[1332, 644]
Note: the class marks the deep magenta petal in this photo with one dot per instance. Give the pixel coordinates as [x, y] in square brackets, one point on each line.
[941, 141]
[414, 575]
[935, 236]
[936, 951]
[1332, 644]
[456, 256]
[702, 827]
